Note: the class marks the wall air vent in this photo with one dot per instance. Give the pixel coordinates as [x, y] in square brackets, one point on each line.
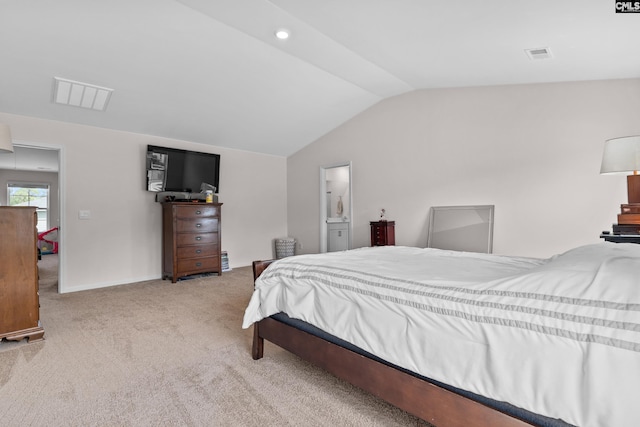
[539, 53]
[83, 95]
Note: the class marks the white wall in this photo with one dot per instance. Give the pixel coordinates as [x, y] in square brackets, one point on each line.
[533, 151]
[103, 171]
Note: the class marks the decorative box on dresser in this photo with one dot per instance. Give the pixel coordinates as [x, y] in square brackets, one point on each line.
[19, 299]
[383, 233]
[190, 239]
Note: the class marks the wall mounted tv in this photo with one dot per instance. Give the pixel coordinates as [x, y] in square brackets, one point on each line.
[171, 169]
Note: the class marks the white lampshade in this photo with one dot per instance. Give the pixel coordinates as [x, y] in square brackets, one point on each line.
[621, 155]
[6, 145]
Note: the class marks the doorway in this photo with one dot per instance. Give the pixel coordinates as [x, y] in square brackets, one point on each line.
[33, 167]
[336, 207]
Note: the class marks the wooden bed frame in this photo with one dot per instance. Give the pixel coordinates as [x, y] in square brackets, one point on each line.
[430, 402]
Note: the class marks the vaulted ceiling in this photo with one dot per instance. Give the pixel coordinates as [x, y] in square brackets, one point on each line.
[211, 71]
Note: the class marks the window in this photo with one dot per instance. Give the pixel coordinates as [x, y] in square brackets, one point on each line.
[29, 194]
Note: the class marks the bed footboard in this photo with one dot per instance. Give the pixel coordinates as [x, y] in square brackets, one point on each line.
[257, 349]
[419, 397]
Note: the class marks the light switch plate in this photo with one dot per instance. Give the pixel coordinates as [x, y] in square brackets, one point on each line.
[84, 214]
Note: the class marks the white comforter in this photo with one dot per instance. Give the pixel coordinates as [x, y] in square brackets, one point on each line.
[559, 337]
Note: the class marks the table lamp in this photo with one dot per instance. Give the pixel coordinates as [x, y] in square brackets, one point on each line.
[622, 155]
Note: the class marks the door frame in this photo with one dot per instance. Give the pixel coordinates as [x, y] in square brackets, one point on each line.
[61, 204]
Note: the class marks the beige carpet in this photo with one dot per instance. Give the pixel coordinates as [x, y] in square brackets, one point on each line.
[156, 353]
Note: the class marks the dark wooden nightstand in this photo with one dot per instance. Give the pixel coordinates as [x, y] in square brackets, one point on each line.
[621, 238]
[383, 233]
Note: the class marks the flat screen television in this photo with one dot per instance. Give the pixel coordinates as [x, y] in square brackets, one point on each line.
[172, 169]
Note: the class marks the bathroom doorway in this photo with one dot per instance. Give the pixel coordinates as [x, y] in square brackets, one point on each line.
[336, 207]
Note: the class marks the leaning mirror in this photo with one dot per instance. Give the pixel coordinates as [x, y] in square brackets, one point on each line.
[461, 228]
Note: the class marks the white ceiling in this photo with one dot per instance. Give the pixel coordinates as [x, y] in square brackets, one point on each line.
[211, 71]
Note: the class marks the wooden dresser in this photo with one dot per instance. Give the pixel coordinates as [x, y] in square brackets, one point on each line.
[190, 239]
[383, 233]
[19, 300]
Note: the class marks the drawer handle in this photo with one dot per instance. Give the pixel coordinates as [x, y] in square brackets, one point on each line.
[198, 238]
[198, 264]
[198, 251]
[198, 212]
[198, 225]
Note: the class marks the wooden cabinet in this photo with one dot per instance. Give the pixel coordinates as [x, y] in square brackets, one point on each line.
[337, 236]
[383, 233]
[190, 239]
[19, 300]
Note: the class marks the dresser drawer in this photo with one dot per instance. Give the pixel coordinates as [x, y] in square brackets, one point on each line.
[197, 225]
[192, 265]
[183, 239]
[190, 239]
[382, 233]
[197, 251]
[196, 211]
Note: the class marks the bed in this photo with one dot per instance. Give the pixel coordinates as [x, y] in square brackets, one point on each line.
[466, 339]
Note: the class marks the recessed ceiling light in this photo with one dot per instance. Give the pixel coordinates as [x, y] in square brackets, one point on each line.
[282, 34]
[69, 92]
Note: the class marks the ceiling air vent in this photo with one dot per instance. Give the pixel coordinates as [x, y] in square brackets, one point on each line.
[84, 95]
[539, 53]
